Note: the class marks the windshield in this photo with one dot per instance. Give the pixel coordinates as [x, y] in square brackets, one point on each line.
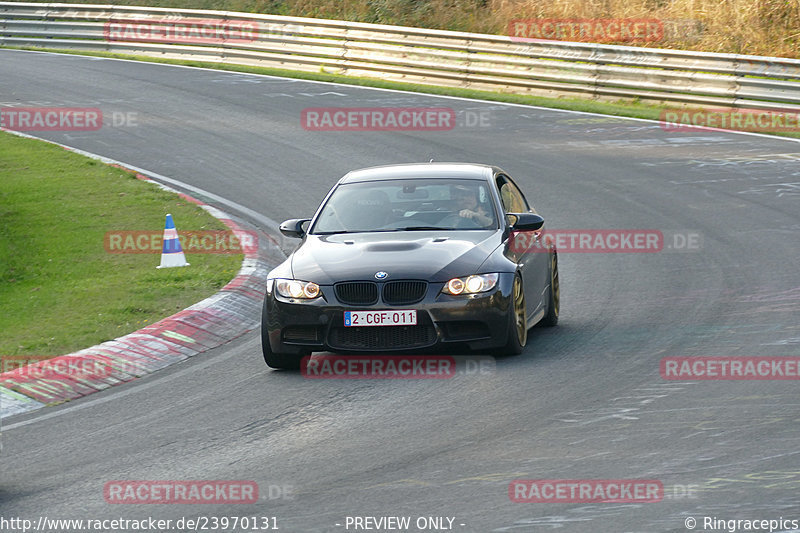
[407, 205]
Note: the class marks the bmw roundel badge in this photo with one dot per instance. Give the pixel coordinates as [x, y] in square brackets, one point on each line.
[381, 275]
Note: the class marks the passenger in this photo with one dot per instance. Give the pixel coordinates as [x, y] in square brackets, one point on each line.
[373, 210]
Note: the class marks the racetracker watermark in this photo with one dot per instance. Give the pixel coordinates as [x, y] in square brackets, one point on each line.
[730, 368]
[378, 119]
[181, 492]
[604, 241]
[49, 367]
[51, 118]
[182, 30]
[755, 120]
[378, 367]
[395, 366]
[589, 241]
[192, 242]
[586, 491]
[586, 30]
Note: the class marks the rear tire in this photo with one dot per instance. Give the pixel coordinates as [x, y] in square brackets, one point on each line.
[554, 299]
[286, 361]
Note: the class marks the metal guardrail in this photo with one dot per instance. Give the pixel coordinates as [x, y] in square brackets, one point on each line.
[437, 57]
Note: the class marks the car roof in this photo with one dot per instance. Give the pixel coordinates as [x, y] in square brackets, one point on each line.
[421, 170]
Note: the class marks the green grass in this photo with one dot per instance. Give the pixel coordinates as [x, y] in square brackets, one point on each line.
[633, 109]
[60, 291]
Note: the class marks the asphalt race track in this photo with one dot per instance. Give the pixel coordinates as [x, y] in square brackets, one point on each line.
[585, 401]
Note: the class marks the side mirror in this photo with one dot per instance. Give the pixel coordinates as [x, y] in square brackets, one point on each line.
[525, 221]
[294, 227]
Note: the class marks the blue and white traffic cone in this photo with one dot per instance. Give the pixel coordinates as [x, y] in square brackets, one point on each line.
[171, 251]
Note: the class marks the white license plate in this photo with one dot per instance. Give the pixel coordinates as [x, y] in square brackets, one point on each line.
[401, 317]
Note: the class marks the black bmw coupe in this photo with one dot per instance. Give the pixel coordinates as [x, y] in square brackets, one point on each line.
[410, 257]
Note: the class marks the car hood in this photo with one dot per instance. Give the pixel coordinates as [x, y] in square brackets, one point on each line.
[433, 256]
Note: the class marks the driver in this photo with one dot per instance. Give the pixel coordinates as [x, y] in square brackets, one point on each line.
[466, 201]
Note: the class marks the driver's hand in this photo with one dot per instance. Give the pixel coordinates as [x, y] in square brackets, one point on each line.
[466, 213]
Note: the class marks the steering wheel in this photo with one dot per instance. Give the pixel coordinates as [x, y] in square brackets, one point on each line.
[456, 221]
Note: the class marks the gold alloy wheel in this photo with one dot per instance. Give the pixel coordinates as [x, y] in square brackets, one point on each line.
[520, 317]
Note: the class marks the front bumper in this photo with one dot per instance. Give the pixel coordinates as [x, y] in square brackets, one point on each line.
[477, 321]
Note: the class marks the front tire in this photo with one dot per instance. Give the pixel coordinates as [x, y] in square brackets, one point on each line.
[517, 321]
[286, 361]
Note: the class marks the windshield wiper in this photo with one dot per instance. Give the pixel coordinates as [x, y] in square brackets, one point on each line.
[421, 228]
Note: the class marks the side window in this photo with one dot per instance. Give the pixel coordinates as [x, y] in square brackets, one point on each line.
[512, 199]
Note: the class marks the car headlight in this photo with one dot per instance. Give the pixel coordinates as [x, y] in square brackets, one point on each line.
[292, 288]
[471, 284]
